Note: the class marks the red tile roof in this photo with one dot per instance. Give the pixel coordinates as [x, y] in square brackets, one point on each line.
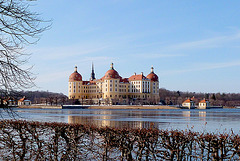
[137, 77]
[203, 101]
[111, 73]
[88, 82]
[152, 76]
[75, 76]
[187, 101]
[124, 80]
[22, 99]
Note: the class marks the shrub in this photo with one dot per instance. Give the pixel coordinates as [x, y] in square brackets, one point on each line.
[25, 140]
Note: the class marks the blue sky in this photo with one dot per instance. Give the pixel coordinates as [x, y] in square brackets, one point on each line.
[193, 45]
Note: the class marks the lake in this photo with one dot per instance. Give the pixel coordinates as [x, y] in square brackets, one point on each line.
[210, 120]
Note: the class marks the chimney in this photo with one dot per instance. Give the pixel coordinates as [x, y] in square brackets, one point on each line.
[141, 73]
[134, 73]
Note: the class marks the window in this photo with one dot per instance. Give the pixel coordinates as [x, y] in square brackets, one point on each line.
[115, 89]
[110, 81]
[110, 89]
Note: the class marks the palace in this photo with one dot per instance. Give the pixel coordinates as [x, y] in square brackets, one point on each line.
[113, 89]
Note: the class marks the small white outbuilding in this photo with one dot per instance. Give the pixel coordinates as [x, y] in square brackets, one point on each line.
[189, 104]
[24, 102]
[203, 104]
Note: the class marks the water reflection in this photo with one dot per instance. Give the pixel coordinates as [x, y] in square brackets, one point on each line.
[202, 115]
[201, 120]
[111, 118]
[103, 122]
[186, 114]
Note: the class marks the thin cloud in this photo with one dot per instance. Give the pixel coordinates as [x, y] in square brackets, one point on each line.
[52, 77]
[47, 76]
[152, 56]
[53, 53]
[203, 67]
[205, 43]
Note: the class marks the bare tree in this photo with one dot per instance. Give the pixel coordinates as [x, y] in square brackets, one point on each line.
[18, 27]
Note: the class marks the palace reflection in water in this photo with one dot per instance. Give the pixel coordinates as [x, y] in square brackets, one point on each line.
[108, 119]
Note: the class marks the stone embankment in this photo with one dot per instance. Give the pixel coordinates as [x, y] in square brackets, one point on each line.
[41, 106]
[108, 107]
[132, 107]
[103, 107]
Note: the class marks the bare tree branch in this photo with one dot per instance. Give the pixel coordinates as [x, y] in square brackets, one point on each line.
[19, 26]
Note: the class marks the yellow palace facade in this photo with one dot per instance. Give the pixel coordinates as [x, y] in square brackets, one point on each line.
[113, 89]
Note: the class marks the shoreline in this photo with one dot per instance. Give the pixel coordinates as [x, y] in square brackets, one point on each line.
[132, 107]
[102, 107]
[108, 107]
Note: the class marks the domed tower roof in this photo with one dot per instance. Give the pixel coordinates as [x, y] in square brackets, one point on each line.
[75, 76]
[111, 73]
[152, 76]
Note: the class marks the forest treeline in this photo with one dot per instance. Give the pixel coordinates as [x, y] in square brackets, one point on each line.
[37, 97]
[167, 97]
[216, 99]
